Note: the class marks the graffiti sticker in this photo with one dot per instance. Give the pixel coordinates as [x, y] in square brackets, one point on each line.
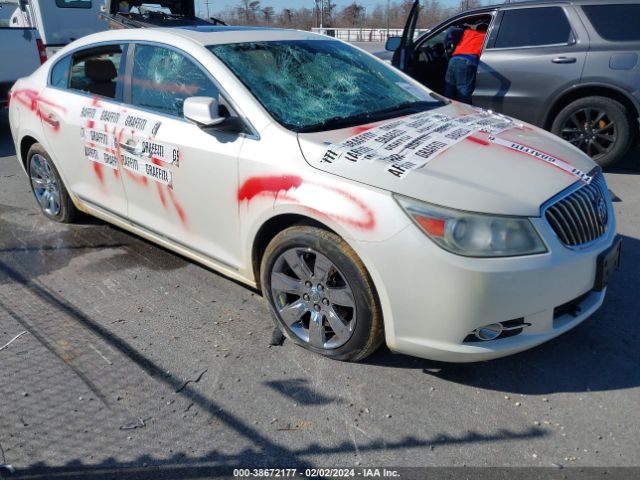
[545, 157]
[409, 143]
[101, 156]
[147, 169]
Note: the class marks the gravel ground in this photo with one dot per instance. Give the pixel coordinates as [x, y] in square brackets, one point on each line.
[136, 360]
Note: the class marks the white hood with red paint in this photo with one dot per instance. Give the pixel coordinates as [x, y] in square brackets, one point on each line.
[480, 173]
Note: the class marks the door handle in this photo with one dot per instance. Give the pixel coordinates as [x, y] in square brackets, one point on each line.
[564, 60]
[134, 149]
[127, 147]
[52, 120]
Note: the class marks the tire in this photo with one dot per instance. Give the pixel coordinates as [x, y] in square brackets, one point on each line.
[47, 187]
[320, 294]
[599, 126]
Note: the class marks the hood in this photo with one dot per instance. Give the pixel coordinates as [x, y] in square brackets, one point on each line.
[456, 156]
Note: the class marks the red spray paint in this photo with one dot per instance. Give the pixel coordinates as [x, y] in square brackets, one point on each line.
[162, 190]
[364, 128]
[274, 185]
[32, 100]
[479, 141]
[177, 206]
[97, 168]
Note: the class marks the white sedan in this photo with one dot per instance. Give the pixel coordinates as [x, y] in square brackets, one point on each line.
[366, 207]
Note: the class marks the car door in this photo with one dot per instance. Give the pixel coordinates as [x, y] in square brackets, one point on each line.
[532, 53]
[181, 180]
[83, 97]
[403, 56]
[429, 63]
[426, 58]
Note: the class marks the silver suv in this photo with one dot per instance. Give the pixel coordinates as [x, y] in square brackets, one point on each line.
[570, 67]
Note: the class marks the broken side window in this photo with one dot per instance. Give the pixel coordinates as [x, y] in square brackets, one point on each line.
[164, 78]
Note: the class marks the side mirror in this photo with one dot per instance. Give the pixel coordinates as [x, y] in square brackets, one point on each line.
[393, 43]
[204, 111]
[23, 4]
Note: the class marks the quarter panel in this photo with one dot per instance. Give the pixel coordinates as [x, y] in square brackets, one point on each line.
[616, 65]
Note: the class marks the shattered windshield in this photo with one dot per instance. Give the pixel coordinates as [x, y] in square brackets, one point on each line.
[315, 85]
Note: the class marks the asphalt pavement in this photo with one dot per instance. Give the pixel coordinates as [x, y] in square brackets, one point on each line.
[136, 360]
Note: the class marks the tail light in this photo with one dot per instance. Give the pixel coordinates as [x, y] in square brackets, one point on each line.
[41, 51]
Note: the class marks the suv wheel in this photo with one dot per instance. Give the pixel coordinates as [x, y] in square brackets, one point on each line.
[320, 294]
[599, 126]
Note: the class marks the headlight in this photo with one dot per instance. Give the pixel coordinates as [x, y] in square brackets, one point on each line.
[474, 234]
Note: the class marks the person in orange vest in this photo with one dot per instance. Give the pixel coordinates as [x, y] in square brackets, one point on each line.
[460, 80]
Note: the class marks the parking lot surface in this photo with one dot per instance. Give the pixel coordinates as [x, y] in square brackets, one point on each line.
[136, 359]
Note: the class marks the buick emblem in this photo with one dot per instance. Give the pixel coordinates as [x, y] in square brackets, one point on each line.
[601, 209]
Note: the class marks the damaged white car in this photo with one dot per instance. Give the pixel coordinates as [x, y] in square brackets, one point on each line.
[365, 207]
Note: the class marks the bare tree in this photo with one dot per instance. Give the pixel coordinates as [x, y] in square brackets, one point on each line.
[433, 13]
[286, 17]
[406, 6]
[467, 4]
[353, 15]
[248, 9]
[329, 9]
[268, 14]
[378, 16]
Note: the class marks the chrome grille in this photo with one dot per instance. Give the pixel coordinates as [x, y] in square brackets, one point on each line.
[582, 216]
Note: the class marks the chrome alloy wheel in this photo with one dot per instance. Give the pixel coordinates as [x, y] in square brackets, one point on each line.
[313, 298]
[591, 130]
[45, 185]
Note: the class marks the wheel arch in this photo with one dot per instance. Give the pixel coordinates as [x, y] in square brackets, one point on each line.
[28, 141]
[25, 144]
[270, 228]
[590, 90]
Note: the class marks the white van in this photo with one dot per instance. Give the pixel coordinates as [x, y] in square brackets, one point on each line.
[33, 30]
[60, 22]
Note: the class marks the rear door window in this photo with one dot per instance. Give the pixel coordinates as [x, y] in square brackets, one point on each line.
[533, 27]
[619, 22]
[97, 70]
[164, 78]
[60, 73]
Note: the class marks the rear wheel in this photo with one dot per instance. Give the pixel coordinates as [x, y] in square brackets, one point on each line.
[47, 187]
[320, 294]
[599, 126]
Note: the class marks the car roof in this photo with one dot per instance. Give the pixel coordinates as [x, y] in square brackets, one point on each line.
[203, 35]
[533, 3]
[209, 35]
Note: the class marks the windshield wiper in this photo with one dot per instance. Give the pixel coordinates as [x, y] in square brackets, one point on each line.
[333, 123]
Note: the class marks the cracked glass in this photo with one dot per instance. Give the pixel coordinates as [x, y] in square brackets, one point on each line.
[163, 79]
[307, 84]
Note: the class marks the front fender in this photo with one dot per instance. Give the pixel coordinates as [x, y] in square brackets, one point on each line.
[355, 212]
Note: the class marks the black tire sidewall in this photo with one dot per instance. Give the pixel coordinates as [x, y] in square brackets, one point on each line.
[67, 211]
[615, 110]
[331, 246]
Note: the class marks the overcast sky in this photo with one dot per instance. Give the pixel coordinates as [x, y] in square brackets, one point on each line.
[218, 5]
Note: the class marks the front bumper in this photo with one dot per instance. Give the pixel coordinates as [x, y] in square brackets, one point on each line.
[432, 300]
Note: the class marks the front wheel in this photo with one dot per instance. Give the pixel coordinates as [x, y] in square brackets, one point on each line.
[320, 294]
[599, 126]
